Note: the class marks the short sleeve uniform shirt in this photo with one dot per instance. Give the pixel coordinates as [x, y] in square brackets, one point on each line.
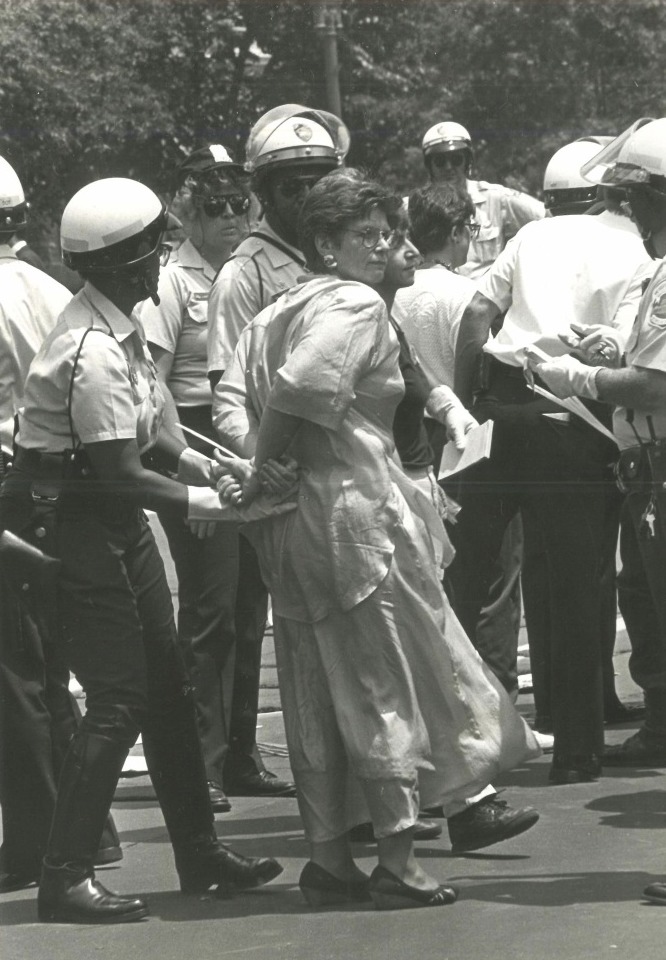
[101, 355]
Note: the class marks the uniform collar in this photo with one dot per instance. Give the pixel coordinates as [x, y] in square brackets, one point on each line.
[277, 257]
[121, 326]
[6, 252]
[187, 255]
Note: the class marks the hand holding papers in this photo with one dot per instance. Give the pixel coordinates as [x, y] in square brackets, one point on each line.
[573, 377]
[479, 441]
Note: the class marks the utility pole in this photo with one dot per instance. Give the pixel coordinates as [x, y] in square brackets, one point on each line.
[327, 22]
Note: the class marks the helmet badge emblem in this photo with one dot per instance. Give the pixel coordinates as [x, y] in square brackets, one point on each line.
[303, 132]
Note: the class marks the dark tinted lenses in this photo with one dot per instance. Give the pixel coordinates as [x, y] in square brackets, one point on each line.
[216, 206]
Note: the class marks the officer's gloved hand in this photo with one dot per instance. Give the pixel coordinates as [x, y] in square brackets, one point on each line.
[444, 405]
[598, 344]
[195, 468]
[565, 376]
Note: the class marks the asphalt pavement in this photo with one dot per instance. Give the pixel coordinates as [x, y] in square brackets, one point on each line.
[569, 889]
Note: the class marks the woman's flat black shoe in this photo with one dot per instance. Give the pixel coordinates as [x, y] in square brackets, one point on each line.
[214, 864]
[320, 888]
[388, 892]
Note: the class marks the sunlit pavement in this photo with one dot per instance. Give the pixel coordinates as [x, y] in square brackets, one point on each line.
[570, 889]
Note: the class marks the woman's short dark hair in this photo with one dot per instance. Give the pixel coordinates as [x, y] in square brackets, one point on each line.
[433, 213]
[336, 201]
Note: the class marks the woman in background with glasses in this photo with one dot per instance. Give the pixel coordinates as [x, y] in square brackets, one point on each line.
[214, 203]
[375, 718]
[92, 408]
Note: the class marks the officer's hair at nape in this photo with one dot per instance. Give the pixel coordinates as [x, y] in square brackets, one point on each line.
[337, 201]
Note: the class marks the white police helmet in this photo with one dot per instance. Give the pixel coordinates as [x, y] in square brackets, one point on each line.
[13, 207]
[105, 222]
[292, 133]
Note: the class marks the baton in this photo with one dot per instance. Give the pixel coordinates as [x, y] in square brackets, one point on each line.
[211, 443]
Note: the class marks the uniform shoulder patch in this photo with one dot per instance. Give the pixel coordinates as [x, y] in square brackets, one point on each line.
[657, 317]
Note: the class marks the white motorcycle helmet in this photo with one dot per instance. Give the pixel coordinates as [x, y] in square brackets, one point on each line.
[292, 134]
[563, 183]
[13, 208]
[448, 137]
[111, 228]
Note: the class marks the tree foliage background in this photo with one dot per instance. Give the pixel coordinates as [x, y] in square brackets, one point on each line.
[92, 88]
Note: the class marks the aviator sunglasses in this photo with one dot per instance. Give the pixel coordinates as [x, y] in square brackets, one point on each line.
[215, 206]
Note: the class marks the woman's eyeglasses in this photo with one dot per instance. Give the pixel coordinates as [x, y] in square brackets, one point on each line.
[371, 237]
[454, 158]
[216, 206]
[474, 228]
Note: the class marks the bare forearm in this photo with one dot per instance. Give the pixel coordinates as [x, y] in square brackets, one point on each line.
[276, 431]
[473, 334]
[632, 387]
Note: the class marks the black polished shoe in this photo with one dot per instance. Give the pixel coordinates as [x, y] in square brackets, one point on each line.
[261, 783]
[567, 769]
[640, 750]
[656, 892]
[489, 821]
[320, 888]
[71, 894]
[389, 892]
[423, 830]
[218, 799]
[211, 864]
[619, 712]
[9, 882]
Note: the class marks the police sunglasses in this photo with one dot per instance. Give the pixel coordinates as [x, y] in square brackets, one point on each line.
[456, 158]
[292, 187]
[216, 206]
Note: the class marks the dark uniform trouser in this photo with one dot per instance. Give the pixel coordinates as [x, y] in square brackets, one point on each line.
[554, 473]
[537, 614]
[642, 599]
[38, 717]
[221, 622]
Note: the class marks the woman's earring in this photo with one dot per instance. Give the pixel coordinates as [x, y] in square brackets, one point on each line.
[329, 261]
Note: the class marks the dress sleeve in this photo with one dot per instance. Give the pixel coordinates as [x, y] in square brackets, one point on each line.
[163, 324]
[102, 399]
[332, 350]
[234, 416]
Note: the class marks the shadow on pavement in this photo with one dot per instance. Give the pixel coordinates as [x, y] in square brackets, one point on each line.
[643, 811]
[557, 890]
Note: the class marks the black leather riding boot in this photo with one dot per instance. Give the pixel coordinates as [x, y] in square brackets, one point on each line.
[175, 762]
[68, 891]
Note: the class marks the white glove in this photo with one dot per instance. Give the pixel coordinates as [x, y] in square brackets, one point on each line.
[565, 376]
[194, 468]
[600, 344]
[444, 405]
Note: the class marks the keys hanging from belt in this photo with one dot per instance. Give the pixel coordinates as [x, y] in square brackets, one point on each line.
[646, 528]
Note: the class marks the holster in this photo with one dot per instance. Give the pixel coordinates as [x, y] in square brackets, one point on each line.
[642, 469]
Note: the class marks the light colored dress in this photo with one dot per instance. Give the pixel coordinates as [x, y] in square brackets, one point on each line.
[386, 701]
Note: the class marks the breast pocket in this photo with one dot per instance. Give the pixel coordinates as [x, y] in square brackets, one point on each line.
[488, 244]
[197, 311]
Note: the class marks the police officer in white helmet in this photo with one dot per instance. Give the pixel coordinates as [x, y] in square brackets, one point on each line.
[288, 150]
[38, 715]
[92, 407]
[500, 212]
[636, 164]
[546, 463]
